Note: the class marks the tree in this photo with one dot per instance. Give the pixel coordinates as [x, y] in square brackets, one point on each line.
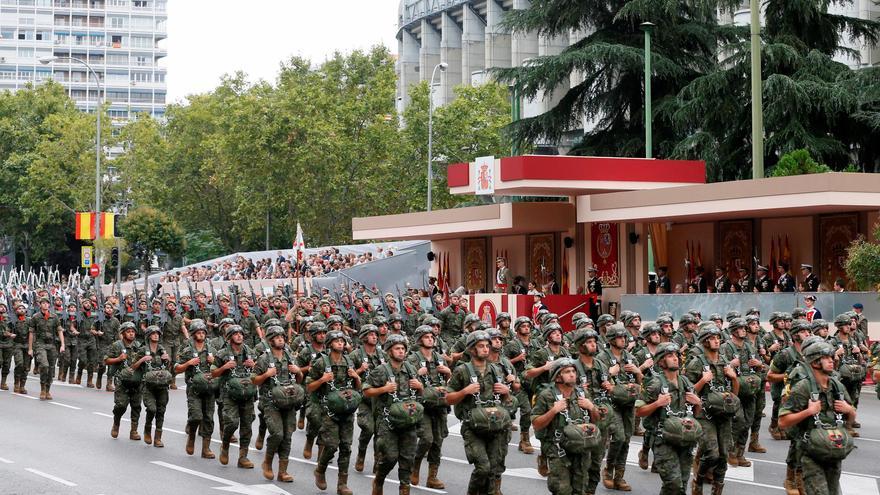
[148, 231]
[201, 245]
[863, 262]
[798, 162]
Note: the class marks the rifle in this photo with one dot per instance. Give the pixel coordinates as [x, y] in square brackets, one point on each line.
[177, 295]
[100, 311]
[214, 306]
[236, 311]
[258, 311]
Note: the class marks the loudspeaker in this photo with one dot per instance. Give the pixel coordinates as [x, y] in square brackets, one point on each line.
[633, 238]
[568, 242]
[431, 256]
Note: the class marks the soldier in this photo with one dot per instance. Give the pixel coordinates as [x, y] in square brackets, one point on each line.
[558, 406]
[395, 444]
[304, 360]
[235, 363]
[333, 373]
[366, 358]
[823, 397]
[785, 282]
[763, 283]
[67, 359]
[124, 370]
[625, 376]
[537, 372]
[173, 334]
[746, 283]
[502, 323]
[410, 315]
[753, 337]
[195, 359]
[644, 357]
[722, 283]
[713, 379]
[476, 392]
[775, 341]
[742, 356]
[669, 393]
[155, 394]
[851, 362]
[503, 277]
[433, 373]
[18, 331]
[6, 348]
[253, 333]
[88, 350]
[517, 350]
[106, 330]
[275, 369]
[45, 329]
[452, 320]
[811, 281]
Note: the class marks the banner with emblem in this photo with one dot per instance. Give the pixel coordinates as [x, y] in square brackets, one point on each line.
[542, 258]
[484, 175]
[836, 233]
[605, 247]
[475, 259]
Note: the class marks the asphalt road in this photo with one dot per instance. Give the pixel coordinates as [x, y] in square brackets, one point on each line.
[64, 447]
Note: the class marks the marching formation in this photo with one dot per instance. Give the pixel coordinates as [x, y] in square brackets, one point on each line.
[694, 391]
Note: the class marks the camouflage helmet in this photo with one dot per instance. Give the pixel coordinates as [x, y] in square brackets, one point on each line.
[420, 332]
[334, 319]
[663, 320]
[585, 322]
[333, 335]
[616, 330]
[581, 336]
[648, 329]
[776, 316]
[273, 321]
[367, 329]
[317, 327]
[818, 351]
[798, 313]
[715, 317]
[664, 349]
[470, 319]
[695, 313]
[125, 326]
[686, 319]
[197, 325]
[604, 320]
[494, 333]
[809, 341]
[475, 337]
[274, 331]
[666, 314]
[752, 318]
[736, 323]
[800, 324]
[549, 328]
[575, 318]
[395, 317]
[232, 330]
[708, 329]
[226, 321]
[546, 317]
[842, 319]
[504, 315]
[520, 321]
[628, 319]
[431, 320]
[424, 317]
[483, 325]
[787, 316]
[393, 340]
[753, 311]
[818, 324]
[380, 320]
[558, 365]
[732, 314]
[624, 315]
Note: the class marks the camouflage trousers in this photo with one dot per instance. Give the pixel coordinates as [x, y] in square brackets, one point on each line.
[487, 453]
[760, 402]
[68, 359]
[172, 348]
[336, 435]
[88, 357]
[314, 413]
[200, 412]
[714, 447]
[238, 415]
[125, 397]
[22, 361]
[854, 389]
[594, 470]
[280, 424]
[395, 447]
[6, 360]
[744, 421]
[367, 423]
[568, 474]
[432, 431]
[821, 478]
[673, 465]
[620, 433]
[525, 409]
[45, 357]
[155, 403]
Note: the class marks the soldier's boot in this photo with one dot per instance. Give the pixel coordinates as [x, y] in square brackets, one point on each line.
[233, 439]
[543, 468]
[173, 386]
[525, 444]
[307, 448]
[109, 387]
[243, 461]
[321, 477]
[799, 481]
[97, 384]
[268, 457]
[433, 481]
[206, 448]
[283, 475]
[774, 430]
[42, 392]
[157, 440]
[731, 457]
[697, 486]
[15, 388]
[717, 488]
[643, 458]
[359, 462]
[21, 389]
[49, 395]
[638, 430]
[740, 457]
[607, 477]
[301, 424]
[342, 485]
[79, 377]
[148, 432]
[790, 485]
[224, 452]
[3, 385]
[261, 436]
[619, 482]
[60, 376]
[72, 378]
[377, 487]
[190, 439]
[755, 445]
[133, 434]
[114, 432]
[404, 489]
[416, 467]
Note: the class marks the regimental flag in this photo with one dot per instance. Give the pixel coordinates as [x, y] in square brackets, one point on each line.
[299, 244]
[85, 225]
[786, 251]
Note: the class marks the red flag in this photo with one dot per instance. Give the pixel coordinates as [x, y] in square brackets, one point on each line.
[564, 273]
[787, 253]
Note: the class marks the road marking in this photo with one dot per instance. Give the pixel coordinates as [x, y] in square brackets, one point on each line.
[55, 383]
[231, 486]
[64, 405]
[50, 477]
[25, 396]
[857, 485]
[866, 439]
[110, 416]
[412, 487]
[211, 477]
[6, 461]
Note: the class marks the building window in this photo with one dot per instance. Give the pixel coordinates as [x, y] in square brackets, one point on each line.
[140, 61]
[117, 59]
[141, 4]
[140, 77]
[26, 52]
[118, 22]
[118, 3]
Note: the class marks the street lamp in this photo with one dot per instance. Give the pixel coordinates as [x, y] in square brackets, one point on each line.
[51, 59]
[648, 28]
[442, 66]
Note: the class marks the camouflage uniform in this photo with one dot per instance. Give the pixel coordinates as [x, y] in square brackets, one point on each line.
[513, 348]
[748, 403]
[155, 397]
[67, 359]
[125, 395]
[304, 358]
[172, 338]
[21, 358]
[199, 408]
[109, 329]
[6, 349]
[281, 423]
[452, 320]
[88, 348]
[365, 420]
[44, 328]
[336, 433]
[236, 414]
[434, 427]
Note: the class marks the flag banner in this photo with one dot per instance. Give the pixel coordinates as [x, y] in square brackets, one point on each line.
[85, 226]
[108, 225]
[299, 244]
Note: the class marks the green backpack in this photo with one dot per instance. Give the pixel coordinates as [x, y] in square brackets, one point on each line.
[240, 385]
[340, 402]
[433, 396]
[719, 402]
[828, 442]
[678, 429]
[288, 394]
[578, 436]
[487, 417]
[202, 383]
[404, 413]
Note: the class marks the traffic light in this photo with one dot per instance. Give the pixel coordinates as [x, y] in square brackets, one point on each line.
[114, 256]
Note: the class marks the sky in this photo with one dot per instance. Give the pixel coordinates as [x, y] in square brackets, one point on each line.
[209, 38]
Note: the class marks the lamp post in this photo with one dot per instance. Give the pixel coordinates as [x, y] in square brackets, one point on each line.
[49, 60]
[648, 28]
[442, 66]
[757, 94]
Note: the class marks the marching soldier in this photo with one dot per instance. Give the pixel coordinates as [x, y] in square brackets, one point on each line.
[235, 363]
[18, 331]
[253, 333]
[410, 315]
[742, 356]
[6, 348]
[775, 341]
[537, 372]
[124, 370]
[753, 337]
[452, 319]
[644, 357]
[88, 349]
[45, 329]
[851, 362]
[67, 359]
[593, 379]
[106, 332]
[155, 393]
[366, 358]
[173, 332]
[517, 351]
[195, 361]
[304, 360]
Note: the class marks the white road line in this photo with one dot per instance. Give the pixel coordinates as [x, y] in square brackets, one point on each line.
[65, 405]
[412, 487]
[25, 396]
[857, 485]
[55, 383]
[200, 474]
[866, 439]
[6, 461]
[50, 477]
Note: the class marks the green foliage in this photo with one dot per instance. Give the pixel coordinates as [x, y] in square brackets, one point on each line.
[798, 162]
[202, 245]
[152, 231]
[863, 262]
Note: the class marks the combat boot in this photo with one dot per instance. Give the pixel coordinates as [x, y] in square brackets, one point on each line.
[72, 378]
[543, 468]
[404, 489]
[619, 482]
[261, 435]
[342, 485]
[416, 467]
[717, 488]
[525, 444]
[731, 457]
[206, 448]
[173, 386]
[282, 471]
[133, 434]
[497, 490]
[157, 440]
[97, 384]
[643, 458]
[301, 424]
[320, 477]
[114, 432]
[774, 430]
[268, 457]
[3, 385]
[790, 485]
[755, 445]
[433, 481]
[79, 377]
[21, 389]
[49, 395]
[60, 376]
[190, 439]
[638, 430]
[148, 433]
[607, 477]
[697, 486]
[359, 462]
[741, 460]
[15, 388]
[377, 486]
[243, 461]
[224, 452]
[307, 448]
[799, 481]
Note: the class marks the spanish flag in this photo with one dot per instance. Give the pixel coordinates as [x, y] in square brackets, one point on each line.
[85, 225]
